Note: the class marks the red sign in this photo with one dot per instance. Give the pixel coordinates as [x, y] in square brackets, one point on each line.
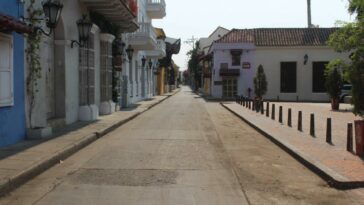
[246, 65]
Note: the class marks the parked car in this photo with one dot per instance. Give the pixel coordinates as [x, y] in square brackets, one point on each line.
[345, 91]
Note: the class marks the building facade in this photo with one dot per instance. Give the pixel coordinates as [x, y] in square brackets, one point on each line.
[293, 59]
[76, 82]
[12, 83]
[147, 48]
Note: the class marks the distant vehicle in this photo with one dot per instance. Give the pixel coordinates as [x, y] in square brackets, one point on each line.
[345, 91]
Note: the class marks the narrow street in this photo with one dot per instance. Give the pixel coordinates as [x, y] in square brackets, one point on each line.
[184, 151]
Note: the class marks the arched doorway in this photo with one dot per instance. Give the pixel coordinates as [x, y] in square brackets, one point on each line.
[56, 108]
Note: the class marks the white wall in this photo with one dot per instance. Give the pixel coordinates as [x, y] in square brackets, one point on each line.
[222, 55]
[271, 58]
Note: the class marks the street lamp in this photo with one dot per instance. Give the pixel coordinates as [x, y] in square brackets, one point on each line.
[143, 61]
[150, 63]
[129, 52]
[84, 27]
[52, 10]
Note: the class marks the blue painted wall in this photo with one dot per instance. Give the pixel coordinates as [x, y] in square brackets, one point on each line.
[12, 119]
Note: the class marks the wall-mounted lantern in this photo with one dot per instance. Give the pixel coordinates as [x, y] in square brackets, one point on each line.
[52, 10]
[129, 52]
[305, 59]
[144, 60]
[150, 63]
[84, 27]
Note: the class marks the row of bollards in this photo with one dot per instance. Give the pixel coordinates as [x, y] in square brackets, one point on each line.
[270, 111]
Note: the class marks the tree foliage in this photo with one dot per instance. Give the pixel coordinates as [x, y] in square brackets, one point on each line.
[193, 64]
[334, 79]
[260, 82]
[350, 38]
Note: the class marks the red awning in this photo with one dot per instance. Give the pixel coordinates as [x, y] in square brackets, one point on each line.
[9, 23]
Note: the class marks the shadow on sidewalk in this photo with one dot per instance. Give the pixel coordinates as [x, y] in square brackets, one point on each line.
[27, 144]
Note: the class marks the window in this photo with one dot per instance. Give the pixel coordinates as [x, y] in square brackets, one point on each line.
[6, 71]
[106, 71]
[87, 73]
[236, 57]
[229, 87]
[288, 77]
[318, 77]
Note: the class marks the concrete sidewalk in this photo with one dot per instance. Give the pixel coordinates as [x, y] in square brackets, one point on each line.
[341, 169]
[21, 162]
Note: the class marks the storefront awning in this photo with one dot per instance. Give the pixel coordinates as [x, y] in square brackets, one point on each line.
[9, 24]
[229, 72]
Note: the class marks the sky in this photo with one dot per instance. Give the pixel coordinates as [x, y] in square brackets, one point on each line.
[199, 18]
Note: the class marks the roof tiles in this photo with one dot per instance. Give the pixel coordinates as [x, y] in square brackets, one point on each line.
[279, 37]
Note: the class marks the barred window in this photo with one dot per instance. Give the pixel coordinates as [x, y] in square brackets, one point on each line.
[87, 73]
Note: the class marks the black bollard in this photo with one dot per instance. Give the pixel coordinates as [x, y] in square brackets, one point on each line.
[349, 145]
[262, 107]
[243, 101]
[249, 104]
[312, 125]
[299, 125]
[273, 112]
[289, 121]
[280, 114]
[267, 111]
[253, 105]
[328, 131]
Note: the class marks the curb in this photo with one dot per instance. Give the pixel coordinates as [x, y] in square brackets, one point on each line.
[333, 179]
[38, 168]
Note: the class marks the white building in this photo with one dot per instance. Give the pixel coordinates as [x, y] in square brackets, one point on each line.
[76, 80]
[147, 47]
[293, 60]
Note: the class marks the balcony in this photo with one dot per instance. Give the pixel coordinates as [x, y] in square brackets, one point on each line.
[156, 9]
[160, 52]
[144, 38]
[116, 11]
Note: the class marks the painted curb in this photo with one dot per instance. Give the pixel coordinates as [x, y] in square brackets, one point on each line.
[331, 177]
[41, 166]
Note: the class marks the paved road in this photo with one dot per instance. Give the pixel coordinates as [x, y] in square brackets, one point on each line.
[184, 151]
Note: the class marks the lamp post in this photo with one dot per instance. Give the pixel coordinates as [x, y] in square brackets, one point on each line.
[129, 52]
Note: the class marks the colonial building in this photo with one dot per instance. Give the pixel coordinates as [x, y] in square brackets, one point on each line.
[12, 83]
[293, 59]
[146, 49]
[206, 56]
[76, 58]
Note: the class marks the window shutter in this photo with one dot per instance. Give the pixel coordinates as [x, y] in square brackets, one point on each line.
[6, 71]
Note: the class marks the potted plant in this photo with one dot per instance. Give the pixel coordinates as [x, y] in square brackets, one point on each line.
[334, 82]
[260, 86]
[349, 38]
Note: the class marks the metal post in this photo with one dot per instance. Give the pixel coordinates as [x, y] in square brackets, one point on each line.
[349, 145]
[289, 121]
[312, 125]
[299, 126]
[273, 112]
[328, 131]
[267, 110]
[280, 114]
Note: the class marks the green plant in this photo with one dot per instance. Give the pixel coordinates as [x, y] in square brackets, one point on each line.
[350, 38]
[260, 82]
[334, 78]
[33, 59]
